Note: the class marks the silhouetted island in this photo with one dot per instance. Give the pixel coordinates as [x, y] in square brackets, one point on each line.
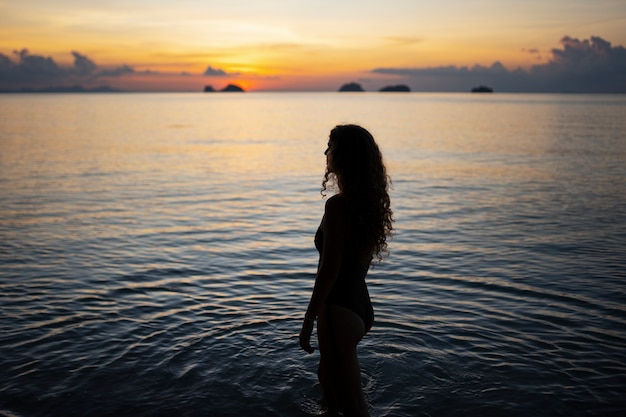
[482, 89]
[396, 88]
[351, 87]
[233, 88]
[230, 88]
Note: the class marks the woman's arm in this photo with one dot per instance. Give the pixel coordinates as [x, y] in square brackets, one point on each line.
[334, 235]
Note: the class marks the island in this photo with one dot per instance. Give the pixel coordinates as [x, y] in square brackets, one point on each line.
[230, 88]
[482, 89]
[351, 87]
[401, 88]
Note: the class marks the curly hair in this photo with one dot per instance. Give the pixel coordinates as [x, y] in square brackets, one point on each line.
[357, 170]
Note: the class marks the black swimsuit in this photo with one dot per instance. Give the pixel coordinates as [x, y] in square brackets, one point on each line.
[350, 289]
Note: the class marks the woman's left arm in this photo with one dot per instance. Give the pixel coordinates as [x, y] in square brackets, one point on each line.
[334, 236]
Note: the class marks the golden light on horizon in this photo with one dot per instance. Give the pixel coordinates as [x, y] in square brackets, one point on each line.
[287, 43]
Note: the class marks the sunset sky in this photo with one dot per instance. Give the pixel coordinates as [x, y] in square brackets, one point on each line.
[443, 45]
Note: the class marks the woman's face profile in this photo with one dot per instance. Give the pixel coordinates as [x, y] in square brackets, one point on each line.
[328, 153]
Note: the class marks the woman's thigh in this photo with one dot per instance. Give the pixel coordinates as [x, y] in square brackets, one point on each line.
[347, 329]
[325, 334]
[339, 330]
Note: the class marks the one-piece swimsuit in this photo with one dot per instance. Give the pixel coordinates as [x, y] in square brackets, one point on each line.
[349, 290]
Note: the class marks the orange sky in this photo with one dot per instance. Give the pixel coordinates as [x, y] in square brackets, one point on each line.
[296, 45]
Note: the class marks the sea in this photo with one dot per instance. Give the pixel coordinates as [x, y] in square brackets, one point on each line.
[157, 257]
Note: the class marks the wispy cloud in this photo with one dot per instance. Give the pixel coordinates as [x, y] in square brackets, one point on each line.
[589, 66]
[217, 72]
[403, 40]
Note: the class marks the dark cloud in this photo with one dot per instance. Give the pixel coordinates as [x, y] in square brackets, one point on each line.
[217, 72]
[28, 67]
[585, 66]
[117, 72]
[453, 78]
[29, 70]
[83, 65]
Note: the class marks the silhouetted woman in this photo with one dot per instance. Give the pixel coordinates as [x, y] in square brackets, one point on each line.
[356, 223]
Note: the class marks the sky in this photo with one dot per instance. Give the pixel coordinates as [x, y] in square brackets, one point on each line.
[295, 45]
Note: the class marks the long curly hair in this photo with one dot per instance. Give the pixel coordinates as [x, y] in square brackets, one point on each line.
[355, 167]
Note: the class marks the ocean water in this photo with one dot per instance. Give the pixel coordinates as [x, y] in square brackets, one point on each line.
[156, 254]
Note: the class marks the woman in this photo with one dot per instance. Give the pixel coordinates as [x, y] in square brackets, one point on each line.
[354, 229]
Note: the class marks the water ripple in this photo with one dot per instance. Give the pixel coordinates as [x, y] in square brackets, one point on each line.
[148, 274]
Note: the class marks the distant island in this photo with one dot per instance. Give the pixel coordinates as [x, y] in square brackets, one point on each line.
[482, 89]
[396, 88]
[351, 87]
[230, 88]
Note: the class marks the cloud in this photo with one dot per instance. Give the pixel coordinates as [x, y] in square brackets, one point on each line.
[403, 40]
[118, 72]
[83, 65]
[217, 72]
[30, 70]
[586, 66]
[28, 67]
[453, 78]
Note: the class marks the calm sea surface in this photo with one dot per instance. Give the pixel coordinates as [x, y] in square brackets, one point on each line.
[156, 254]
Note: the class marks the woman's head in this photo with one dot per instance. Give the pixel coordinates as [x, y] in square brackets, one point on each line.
[352, 157]
[355, 165]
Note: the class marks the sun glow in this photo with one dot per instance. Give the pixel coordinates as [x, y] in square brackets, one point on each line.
[286, 44]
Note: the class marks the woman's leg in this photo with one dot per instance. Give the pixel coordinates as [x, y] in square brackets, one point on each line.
[326, 371]
[339, 360]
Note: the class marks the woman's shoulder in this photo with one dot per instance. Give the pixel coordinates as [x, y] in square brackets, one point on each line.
[335, 207]
[335, 214]
[336, 202]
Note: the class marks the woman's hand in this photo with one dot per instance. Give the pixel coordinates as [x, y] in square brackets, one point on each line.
[305, 335]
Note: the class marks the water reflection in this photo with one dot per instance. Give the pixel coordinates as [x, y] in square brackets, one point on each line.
[156, 253]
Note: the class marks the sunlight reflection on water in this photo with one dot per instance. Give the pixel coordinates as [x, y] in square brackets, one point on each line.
[156, 253]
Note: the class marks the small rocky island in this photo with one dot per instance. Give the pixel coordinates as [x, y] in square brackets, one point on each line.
[230, 88]
[400, 88]
[482, 89]
[351, 87]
